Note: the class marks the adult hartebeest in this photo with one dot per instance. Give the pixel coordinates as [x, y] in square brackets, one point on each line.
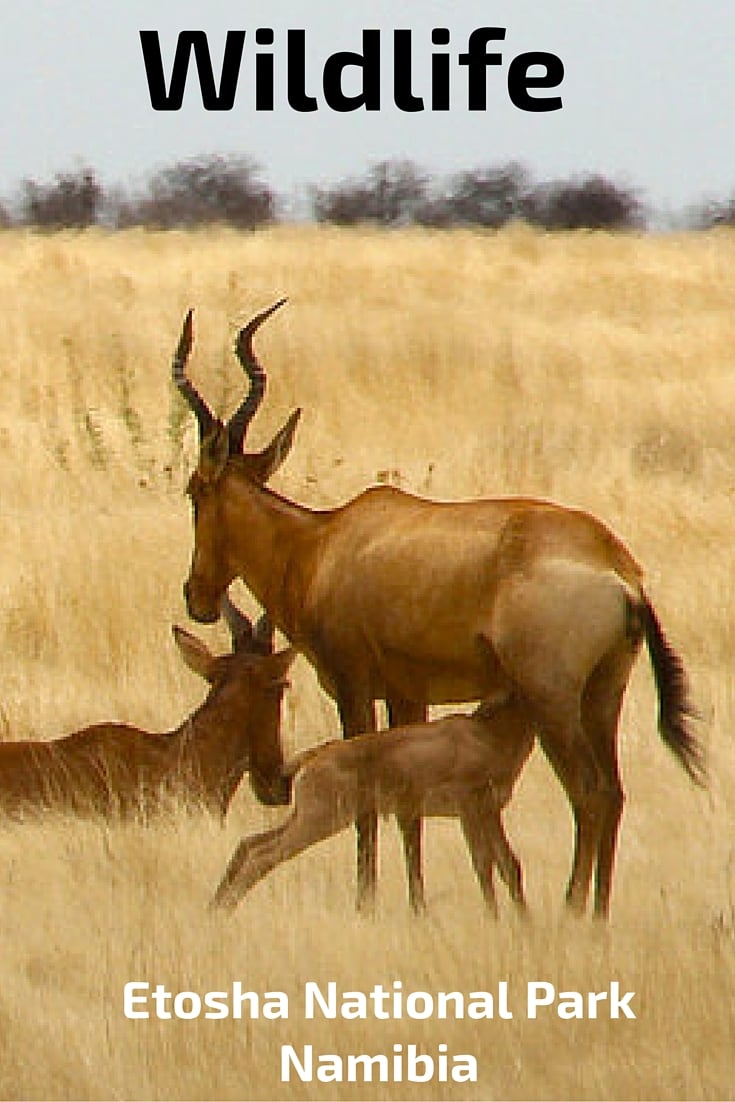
[112, 770]
[463, 765]
[419, 602]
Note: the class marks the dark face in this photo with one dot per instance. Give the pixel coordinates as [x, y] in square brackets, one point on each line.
[211, 568]
[255, 686]
[209, 573]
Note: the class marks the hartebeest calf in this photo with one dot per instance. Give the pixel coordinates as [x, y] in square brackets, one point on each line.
[112, 770]
[421, 602]
[463, 765]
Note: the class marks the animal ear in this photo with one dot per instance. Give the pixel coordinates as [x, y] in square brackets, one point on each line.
[197, 656]
[262, 465]
[279, 666]
[214, 453]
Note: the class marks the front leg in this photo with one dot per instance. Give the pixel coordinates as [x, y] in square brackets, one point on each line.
[241, 874]
[402, 713]
[320, 811]
[358, 717]
[481, 851]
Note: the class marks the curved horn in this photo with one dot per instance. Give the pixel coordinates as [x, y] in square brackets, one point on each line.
[241, 629]
[263, 633]
[186, 388]
[238, 423]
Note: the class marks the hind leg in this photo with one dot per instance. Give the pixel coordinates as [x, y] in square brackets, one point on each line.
[508, 864]
[608, 847]
[481, 852]
[552, 627]
[601, 705]
[488, 844]
[576, 766]
[552, 704]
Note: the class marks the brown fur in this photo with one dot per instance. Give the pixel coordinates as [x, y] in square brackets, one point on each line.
[418, 602]
[113, 770]
[464, 765]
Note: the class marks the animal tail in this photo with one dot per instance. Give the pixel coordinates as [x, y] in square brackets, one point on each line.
[675, 708]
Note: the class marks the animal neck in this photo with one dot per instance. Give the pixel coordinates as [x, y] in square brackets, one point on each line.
[212, 752]
[269, 534]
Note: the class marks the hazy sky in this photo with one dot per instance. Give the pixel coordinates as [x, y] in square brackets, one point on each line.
[648, 93]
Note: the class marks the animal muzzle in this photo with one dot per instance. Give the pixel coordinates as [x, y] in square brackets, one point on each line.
[271, 791]
[201, 610]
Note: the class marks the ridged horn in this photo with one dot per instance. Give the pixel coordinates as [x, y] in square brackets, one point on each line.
[241, 629]
[263, 633]
[200, 409]
[258, 639]
[238, 423]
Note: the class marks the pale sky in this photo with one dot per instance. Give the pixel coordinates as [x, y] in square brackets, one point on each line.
[648, 92]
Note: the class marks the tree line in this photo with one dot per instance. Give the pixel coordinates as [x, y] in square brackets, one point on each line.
[230, 190]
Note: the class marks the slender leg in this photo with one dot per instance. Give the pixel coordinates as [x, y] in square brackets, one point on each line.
[487, 840]
[601, 708]
[508, 864]
[481, 853]
[411, 828]
[238, 877]
[317, 815]
[358, 717]
[576, 766]
[607, 850]
[366, 825]
[404, 712]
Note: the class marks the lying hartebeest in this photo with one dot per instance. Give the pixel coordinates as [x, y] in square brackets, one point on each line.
[464, 765]
[417, 602]
[111, 770]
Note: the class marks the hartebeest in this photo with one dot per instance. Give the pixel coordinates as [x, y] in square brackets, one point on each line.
[463, 765]
[418, 602]
[112, 770]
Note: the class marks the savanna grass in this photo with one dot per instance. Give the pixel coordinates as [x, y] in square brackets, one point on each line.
[594, 369]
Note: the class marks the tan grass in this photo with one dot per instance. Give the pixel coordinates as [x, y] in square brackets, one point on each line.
[594, 369]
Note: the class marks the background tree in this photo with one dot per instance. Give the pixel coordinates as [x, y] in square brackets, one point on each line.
[389, 194]
[712, 213]
[73, 200]
[202, 191]
[479, 197]
[590, 202]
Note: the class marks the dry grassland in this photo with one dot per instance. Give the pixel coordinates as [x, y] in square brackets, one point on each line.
[596, 370]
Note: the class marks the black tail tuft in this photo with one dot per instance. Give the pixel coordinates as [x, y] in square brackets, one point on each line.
[675, 708]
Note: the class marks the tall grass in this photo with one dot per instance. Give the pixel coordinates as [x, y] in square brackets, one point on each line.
[593, 369]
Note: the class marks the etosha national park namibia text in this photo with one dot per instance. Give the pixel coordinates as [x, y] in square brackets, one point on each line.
[406, 1062]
